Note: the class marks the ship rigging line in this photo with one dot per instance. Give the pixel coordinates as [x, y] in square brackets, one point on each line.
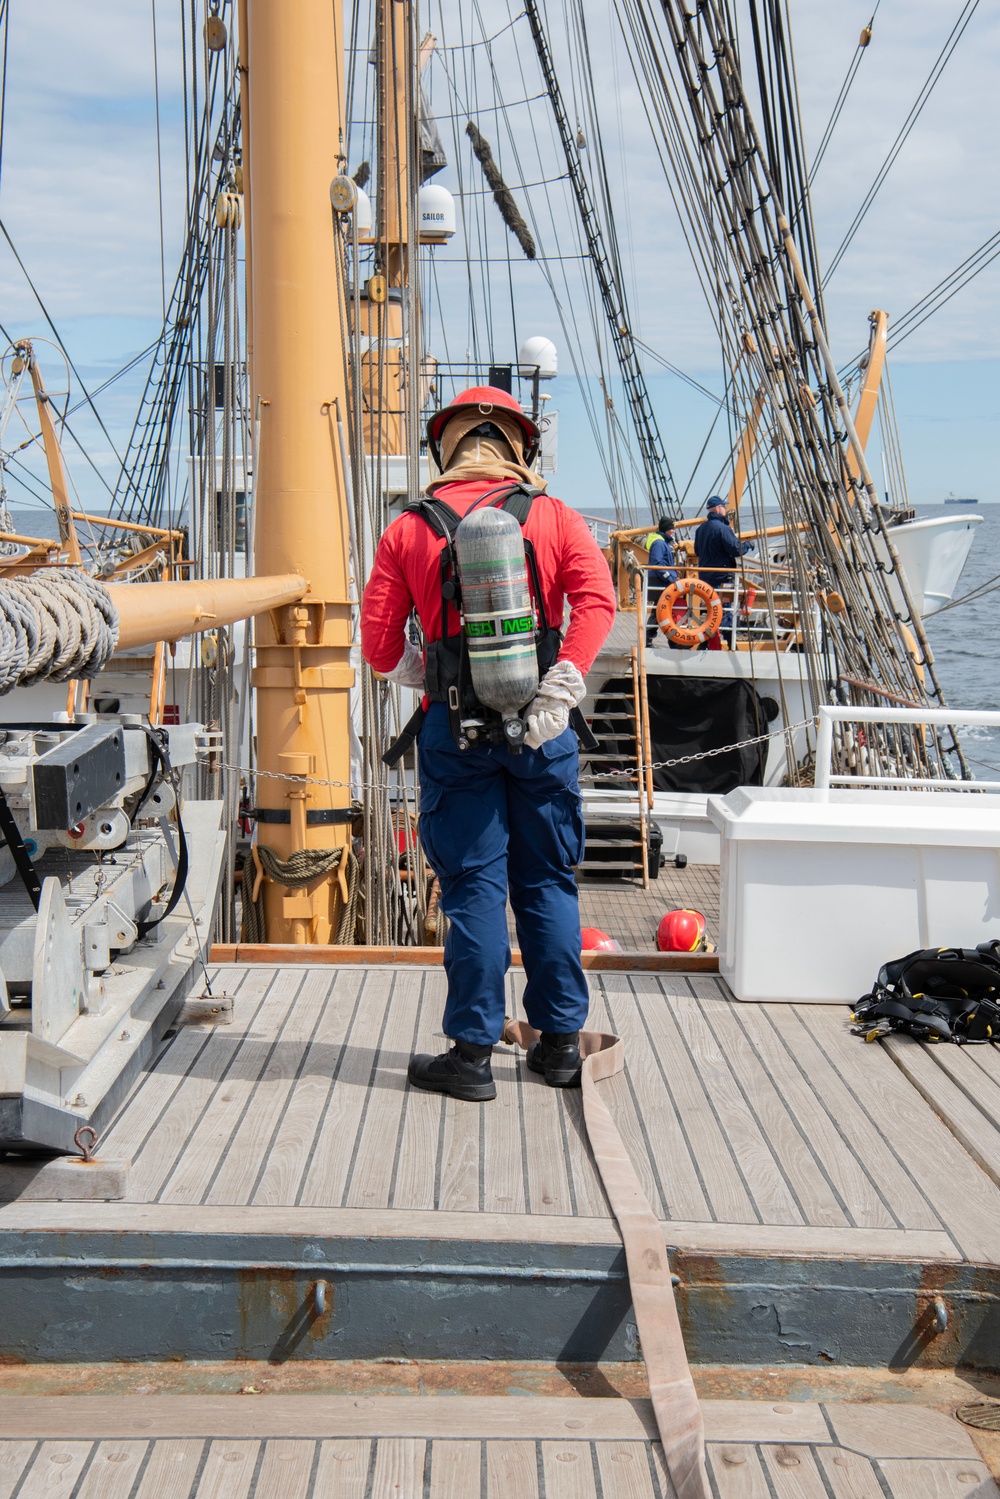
[4, 19]
[159, 160]
[610, 450]
[608, 453]
[954, 37]
[938, 296]
[948, 287]
[55, 332]
[841, 99]
[766, 309]
[607, 269]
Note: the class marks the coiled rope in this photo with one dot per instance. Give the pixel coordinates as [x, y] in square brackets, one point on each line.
[56, 626]
[304, 866]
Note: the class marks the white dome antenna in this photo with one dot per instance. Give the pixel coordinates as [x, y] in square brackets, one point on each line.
[436, 213]
[538, 356]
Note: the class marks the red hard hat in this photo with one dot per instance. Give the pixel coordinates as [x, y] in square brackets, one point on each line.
[592, 939]
[681, 931]
[488, 398]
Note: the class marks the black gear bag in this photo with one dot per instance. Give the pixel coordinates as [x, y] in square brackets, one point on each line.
[935, 994]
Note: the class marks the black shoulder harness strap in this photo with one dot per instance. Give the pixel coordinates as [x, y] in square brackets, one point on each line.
[447, 678]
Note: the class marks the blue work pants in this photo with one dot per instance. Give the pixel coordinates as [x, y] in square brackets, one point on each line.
[489, 821]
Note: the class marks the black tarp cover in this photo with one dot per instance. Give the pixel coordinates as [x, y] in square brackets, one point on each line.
[690, 714]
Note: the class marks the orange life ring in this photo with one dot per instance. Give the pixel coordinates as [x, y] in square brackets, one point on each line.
[689, 634]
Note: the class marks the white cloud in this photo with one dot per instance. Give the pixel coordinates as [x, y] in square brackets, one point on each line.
[79, 191]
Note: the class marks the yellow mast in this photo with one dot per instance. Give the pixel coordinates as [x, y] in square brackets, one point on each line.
[381, 311]
[53, 453]
[303, 676]
[868, 399]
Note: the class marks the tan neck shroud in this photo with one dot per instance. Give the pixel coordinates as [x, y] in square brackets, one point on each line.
[466, 455]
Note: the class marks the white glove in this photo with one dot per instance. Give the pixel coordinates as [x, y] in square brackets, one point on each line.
[547, 715]
[409, 669]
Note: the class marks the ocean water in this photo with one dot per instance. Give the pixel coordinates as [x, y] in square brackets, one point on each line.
[966, 640]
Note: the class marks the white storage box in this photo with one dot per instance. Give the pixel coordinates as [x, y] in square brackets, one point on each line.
[820, 888]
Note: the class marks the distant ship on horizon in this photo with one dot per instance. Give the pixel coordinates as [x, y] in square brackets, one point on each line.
[954, 499]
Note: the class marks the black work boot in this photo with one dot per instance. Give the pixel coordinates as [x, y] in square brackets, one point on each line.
[557, 1058]
[464, 1072]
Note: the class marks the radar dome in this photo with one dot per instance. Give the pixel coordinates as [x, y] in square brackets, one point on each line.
[541, 352]
[436, 211]
[363, 214]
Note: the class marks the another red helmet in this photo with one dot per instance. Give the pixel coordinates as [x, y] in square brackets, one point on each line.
[592, 939]
[681, 931]
[488, 398]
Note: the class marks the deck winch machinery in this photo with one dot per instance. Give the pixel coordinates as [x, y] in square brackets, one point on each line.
[92, 865]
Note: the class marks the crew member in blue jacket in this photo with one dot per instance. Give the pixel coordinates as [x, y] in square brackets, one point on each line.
[662, 571]
[718, 550]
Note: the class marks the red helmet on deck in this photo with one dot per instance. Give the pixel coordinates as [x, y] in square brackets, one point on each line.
[490, 400]
[681, 931]
[592, 939]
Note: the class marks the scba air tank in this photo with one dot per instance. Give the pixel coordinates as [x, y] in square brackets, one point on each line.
[497, 613]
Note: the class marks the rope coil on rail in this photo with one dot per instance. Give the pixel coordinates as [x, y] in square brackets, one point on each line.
[56, 626]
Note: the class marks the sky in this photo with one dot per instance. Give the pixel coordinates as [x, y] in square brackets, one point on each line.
[80, 192]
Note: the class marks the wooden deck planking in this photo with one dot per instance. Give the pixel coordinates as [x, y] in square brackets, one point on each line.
[453, 1447]
[399, 1467]
[856, 1193]
[153, 1090]
[286, 1162]
[459, 1189]
[793, 1473]
[568, 1468]
[504, 1173]
[328, 1172]
[375, 1158]
[967, 1101]
[342, 1470]
[813, 1194]
[625, 1470]
[849, 1475]
[628, 1109]
[630, 914]
[154, 1155]
[511, 1470]
[14, 1458]
[196, 1166]
[587, 1465]
[663, 1140]
[757, 1161]
[762, 1117]
[54, 1470]
[171, 1470]
[287, 1469]
[113, 1470]
[701, 1175]
[456, 1470]
[229, 1470]
[239, 1167]
[964, 1198]
[548, 1181]
[892, 1182]
[415, 1182]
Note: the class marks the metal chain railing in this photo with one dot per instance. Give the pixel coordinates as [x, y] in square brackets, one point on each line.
[723, 749]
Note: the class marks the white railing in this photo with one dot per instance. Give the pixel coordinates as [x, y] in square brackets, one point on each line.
[938, 717]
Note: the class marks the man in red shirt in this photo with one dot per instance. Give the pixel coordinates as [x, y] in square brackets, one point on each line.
[491, 819]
